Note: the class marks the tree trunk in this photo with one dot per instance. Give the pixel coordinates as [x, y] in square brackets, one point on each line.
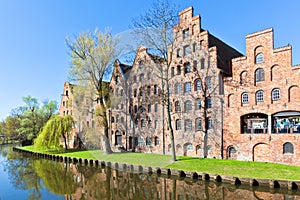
[105, 137]
[171, 130]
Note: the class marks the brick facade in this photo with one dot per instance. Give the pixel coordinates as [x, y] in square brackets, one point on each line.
[263, 103]
[254, 100]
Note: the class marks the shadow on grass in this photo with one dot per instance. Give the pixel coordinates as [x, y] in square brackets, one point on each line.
[184, 158]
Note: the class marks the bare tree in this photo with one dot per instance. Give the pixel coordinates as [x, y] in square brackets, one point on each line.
[155, 27]
[91, 54]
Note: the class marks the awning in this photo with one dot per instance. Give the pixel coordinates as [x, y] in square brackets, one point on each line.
[287, 114]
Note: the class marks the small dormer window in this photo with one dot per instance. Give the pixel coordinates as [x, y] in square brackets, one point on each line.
[117, 79]
[259, 58]
[67, 93]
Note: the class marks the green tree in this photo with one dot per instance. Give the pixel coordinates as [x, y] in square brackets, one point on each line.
[54, 129]
[91, 54]
[32, 117]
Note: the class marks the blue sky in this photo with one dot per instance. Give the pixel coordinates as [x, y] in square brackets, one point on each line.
[34, 58]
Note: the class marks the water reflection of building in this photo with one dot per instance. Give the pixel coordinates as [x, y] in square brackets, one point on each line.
[106, 183]
[262, 116]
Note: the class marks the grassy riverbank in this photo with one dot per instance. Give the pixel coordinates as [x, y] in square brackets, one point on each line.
[233, 168]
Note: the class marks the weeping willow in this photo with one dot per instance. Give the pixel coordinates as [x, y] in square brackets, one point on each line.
[53, 130]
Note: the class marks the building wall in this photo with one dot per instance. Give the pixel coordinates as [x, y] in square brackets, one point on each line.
[267, 143]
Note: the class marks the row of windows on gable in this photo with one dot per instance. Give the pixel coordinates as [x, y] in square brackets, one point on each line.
[188, 86]
[187, 67]
[187, 49]
[259, 75]
[260, 97]
[188, 124]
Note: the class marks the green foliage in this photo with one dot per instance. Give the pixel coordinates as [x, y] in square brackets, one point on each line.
[53, 130]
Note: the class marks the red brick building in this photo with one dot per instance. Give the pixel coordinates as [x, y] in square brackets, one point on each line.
[262, 98]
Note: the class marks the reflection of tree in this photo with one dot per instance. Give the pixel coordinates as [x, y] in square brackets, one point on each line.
[22, 175]
[57, 177]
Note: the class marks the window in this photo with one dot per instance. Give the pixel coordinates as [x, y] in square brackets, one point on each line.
[141, 92]
[122, 119]
[186, 50]
[155, 89]
[187, 87]
[117, 119]
[140, 141]
[178, 53]
[288, 148]
[185, 33]
[260, 96]
[259, 58]
[178, 70]
[194, 47]
[195, 65]
[156, 141]
[149, 124]
[198, 124]
[117, 79]
[188, 125]
[156, 107]
[202, 61]
[259, 75]
[243, 77]
[178, 124]
[276, 94]
[208, 82]
[198, 104]
[134, 78]
[209, 123]
[188, 106]
[172, 71]
[148, 141]
[155, 124]
[149, 90]
[209, 102]
[149, 108]
[245, 97]
[187, 68]
[197, 85]
[177, 106]
[134, 92]
[177, 88]
[141, 77]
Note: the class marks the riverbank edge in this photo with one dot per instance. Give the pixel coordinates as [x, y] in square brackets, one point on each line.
[253, 183]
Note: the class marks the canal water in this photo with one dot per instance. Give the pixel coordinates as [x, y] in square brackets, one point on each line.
[25, 177]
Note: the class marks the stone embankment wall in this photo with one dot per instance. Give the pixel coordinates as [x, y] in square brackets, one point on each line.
[276, 185]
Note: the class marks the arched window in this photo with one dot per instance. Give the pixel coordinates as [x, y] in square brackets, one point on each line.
[148, 141]
[188, 125]
[187, 68]
[156, 141]
[197, 85]
[188, 106]
[288, 148]
[276, 94]
[178, 124]
[259, 75]
[141, 77]
[177, 88]
[140, 141]
[260, 96]
[259, 58]
[198, 124]
[197, 104]
[245, 98]
[243, 77]
[177, 106]
[187, 87]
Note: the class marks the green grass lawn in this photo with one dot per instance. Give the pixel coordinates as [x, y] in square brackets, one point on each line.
[241, 169]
